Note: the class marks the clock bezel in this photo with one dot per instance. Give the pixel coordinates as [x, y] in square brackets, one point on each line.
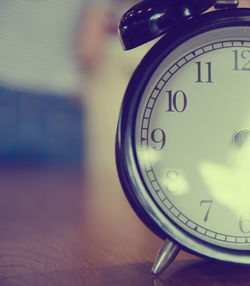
[128, 168]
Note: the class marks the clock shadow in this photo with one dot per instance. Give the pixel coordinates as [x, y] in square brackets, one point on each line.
[205, 273]
[186, 272]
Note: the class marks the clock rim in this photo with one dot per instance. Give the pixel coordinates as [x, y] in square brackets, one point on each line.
[129, 172]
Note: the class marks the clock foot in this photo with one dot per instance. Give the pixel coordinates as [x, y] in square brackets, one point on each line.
[165, 256]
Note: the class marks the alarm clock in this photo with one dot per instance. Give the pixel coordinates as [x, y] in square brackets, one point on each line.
[183, 136]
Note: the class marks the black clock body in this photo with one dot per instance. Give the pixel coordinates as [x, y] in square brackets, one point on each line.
[130, 175]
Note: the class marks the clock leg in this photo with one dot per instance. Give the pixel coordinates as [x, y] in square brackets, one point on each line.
[165, 256]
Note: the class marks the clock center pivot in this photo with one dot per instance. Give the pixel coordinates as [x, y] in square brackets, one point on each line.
[241, 137]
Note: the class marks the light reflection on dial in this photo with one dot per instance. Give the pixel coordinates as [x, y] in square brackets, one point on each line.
[186, 120]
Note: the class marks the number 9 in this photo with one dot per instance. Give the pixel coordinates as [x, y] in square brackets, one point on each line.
[158, 136]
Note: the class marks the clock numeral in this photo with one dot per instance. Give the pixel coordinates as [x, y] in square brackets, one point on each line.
[176, 101]
[209, 204]
[158, 136]
[199, 73]
[239, 57]
[244, 223]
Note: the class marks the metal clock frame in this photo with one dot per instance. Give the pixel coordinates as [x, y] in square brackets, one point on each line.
[128, 168]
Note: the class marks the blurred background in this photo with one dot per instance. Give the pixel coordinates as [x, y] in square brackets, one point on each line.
[63, 74]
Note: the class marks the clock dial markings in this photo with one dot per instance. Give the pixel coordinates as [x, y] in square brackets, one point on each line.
[166, 77]
[181, 62]
[217, 46]
[161, 84]
[245, 44]
[174, 68]
[168, 189]
[189, 57]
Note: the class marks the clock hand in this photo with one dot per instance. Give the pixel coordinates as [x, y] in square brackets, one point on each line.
[165, 256]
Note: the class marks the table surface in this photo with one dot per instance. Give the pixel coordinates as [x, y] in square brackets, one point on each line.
[61, 227]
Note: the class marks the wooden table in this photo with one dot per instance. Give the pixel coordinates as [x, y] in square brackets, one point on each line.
[61, 227]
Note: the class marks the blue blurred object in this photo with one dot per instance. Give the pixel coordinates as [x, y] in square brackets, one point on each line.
[40, 128]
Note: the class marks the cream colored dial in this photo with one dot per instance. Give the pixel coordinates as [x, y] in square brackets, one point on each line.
[192, 137]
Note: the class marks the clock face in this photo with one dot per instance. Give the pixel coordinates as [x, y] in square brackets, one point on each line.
[192, 137]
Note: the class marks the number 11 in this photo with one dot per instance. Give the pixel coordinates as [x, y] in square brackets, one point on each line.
[209, 72]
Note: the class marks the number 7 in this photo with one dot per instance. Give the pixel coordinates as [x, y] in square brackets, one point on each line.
[209, 203]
